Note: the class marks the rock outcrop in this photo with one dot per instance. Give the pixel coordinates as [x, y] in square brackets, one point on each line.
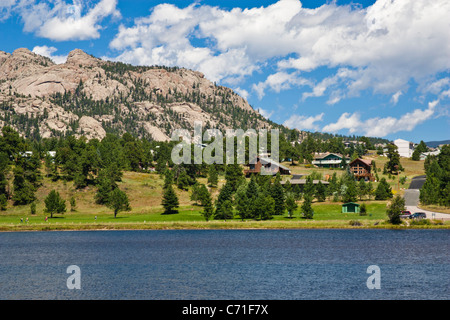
[86, 96]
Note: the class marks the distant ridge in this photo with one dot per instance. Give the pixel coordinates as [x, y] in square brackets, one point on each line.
[434, 144]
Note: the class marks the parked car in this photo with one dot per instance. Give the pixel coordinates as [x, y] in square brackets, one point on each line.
[405, 214]
[418, 215]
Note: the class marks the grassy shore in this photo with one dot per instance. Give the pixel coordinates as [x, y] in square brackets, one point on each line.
[327, 216]
[145, 192]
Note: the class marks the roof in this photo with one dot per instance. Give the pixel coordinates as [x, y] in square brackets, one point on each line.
[303, 181]
[348, 203]
[367, 162]
[265, 160]
[326, 154]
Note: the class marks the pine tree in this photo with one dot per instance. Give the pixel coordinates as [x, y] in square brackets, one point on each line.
[291, 205]
[118, 201]
[54, 203]
[320, 192]
[306, 207]
[213, 178]
[278, 195]
[383, 191]
[208, 209]
[395, 209]
[170, 201]
[226, 193]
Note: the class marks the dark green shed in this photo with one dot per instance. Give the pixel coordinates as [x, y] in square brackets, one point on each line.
[350, 207]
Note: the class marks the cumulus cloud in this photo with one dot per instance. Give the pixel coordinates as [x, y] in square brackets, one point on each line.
[5, 8]
[301, 122]
[279, 81]
[381, 48]
[61, 21]
[380, 127]
[48, 52]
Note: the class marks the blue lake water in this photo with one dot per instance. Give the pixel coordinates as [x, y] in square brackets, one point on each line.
[226, 264]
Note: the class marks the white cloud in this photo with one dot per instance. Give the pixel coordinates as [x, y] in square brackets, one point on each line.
[304, 123]
[5, 8]
[280, 81]
[380, 127]
[382, 47]
[396, 96]
[60, 21]
[266, 114]
[242, 92]
[48, 52]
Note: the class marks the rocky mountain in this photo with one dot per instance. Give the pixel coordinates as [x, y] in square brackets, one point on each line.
[91, 97]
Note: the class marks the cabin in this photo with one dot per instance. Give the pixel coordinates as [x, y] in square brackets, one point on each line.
[350, 207]
[266, 166]
[361, 169]
[328, 160]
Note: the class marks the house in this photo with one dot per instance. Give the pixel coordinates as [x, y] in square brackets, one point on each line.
[328, 160]
[361, 169]
[424, 155]
[405, 148]
[266, 166]
[350, 207]
[302, 182]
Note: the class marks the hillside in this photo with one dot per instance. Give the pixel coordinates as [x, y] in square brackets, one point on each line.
[91, 97]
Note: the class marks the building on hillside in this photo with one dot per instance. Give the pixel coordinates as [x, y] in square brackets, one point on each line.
[266, 166]
[328, 160]
[405, 148]
[361, 169]
[424, 155]
[302, 182]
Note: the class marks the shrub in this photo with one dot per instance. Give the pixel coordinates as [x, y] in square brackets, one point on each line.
[363, 210]
[355, 223]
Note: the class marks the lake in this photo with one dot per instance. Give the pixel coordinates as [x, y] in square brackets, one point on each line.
[226, 264]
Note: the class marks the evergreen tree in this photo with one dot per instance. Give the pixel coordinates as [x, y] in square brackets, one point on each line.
[208, 209]
[234, 175]
[306, 207]
[118, 201]
[3, 202]
[213, 178]
[395, 209]
[362, 189]
[170, 201]
[105, 185]
[54, 203]
[351, 192]
[291, 205]
[278, 195]
[320, 192]
[168, 178]
[265, 206]
[393, 165]
[383, 191]
[242, 202]
[183, 180]
[23, 189]
[226, 193]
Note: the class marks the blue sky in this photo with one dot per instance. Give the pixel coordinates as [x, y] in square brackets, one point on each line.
[375, 68]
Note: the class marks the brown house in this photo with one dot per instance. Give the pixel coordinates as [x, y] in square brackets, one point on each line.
[361, 169]
[268, 166]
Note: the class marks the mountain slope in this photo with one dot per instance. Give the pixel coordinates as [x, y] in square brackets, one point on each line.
[91, 97]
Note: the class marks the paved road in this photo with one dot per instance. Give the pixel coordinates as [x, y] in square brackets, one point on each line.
[412, 199]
